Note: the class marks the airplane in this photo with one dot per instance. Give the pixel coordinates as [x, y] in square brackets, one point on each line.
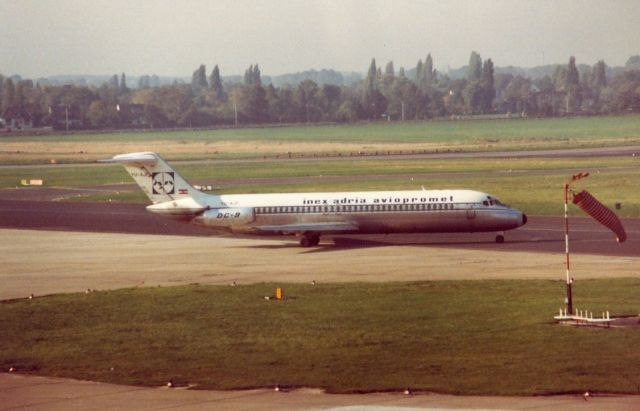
[311, 215]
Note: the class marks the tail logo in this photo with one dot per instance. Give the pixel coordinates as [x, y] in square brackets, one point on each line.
[163, 183]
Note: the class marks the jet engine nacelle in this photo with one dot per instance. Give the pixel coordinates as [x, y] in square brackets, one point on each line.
[226, 217]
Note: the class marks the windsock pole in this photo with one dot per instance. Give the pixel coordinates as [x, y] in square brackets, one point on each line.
[566, 238]
[566, 247]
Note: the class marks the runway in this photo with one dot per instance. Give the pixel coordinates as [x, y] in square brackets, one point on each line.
[541, 234]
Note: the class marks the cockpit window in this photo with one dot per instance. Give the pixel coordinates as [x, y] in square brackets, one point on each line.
[491, 201]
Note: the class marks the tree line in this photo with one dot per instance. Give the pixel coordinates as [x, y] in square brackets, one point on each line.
[384, 94]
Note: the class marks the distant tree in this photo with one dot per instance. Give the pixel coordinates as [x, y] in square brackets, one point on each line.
[18, 99]
[329, 98]
[199, 79]
[573, 77]
[255, 103]
[572, 87]
[599, 75]
[559, 78]
[348, 111]
[252, 76]
[454, 100]
[487, 84]
[388, 70]
[8, 93]
[216, 84]
[373, 102]
[287, 106]
[257, 79]
[193, 117]
[474, 70]
[251, 99]
[102, 115]
[473, 95]
[501, 81]
[123, 84]
[114, 82]
[306, 98]
[248, 76]
[402, 99]
[419, 65]
[386, 82]
[518, 96]
[425, 78]
[274, 109]
[1, 91]
[401, 72]
[173, 101]
[546, 98]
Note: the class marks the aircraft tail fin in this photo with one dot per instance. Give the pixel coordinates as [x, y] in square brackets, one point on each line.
[156, 178]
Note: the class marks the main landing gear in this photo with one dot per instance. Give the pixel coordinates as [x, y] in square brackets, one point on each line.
[309, 240]
[500, 238]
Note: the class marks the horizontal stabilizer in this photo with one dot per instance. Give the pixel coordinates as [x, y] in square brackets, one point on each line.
[314, 227]
[145, 159]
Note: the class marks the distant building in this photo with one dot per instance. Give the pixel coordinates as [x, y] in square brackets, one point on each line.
[17, 118]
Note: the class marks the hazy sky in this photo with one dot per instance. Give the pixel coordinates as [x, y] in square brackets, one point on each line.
[43, 37]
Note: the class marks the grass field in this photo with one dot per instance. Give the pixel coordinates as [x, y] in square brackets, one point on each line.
[588, 128]
[469, 337]
[471, 135]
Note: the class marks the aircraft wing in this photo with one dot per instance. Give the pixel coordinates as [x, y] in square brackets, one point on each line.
[313, 227]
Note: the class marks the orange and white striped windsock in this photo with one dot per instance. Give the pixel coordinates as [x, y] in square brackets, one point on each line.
[590, 205]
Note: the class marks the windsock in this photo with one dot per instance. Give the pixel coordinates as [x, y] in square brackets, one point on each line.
[600, 213]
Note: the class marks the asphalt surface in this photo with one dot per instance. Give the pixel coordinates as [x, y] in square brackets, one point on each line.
[541, 234]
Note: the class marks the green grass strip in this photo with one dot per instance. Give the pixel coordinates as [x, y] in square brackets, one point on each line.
[459, 337]
[551, 130]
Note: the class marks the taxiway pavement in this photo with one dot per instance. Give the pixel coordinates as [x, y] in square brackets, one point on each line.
[541, 234]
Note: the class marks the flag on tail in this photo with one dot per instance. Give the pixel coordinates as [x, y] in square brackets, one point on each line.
[600, 213]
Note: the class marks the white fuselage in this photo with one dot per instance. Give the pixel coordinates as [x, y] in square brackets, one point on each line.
[367, 212]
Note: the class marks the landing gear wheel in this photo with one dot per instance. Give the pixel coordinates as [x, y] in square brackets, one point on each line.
[309, 240]
[305, 242]
[499, 239]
